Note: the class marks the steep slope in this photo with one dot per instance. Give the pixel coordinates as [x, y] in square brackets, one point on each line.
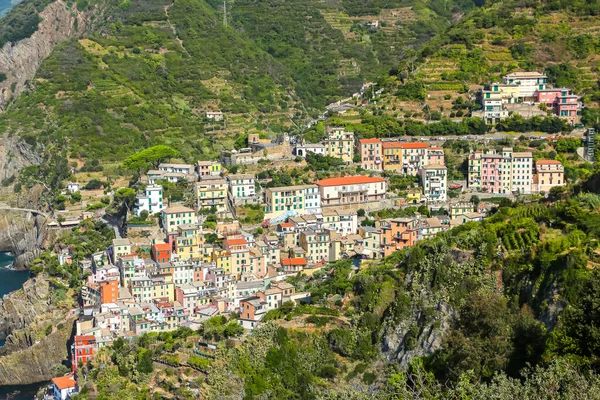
[558, 37]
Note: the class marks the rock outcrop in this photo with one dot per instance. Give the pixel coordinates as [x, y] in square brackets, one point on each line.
[24, 235]
[37, 363]
[21, 60]
[416, 335]
[36, 332]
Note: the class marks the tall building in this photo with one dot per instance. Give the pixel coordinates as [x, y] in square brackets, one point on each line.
[549, 174]
[151, 200]
[340, 144]
[82, 350]
[392, 156]
[241, 188]
[211, 192]
[414, 157]
[371, 156]
[503, 173]
[288, 201]
[434, 182]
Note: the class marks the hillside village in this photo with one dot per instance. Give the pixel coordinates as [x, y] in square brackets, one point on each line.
[183, 263]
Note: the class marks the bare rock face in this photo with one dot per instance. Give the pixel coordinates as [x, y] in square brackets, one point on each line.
[20, 61]
[24, 235]
[22, 307]
[37, 334]
[416, 335]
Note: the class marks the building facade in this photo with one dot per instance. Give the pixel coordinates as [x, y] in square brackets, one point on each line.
[371, 156]
[351, 190]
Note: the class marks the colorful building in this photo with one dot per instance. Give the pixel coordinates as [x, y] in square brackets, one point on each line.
[340, 144]
[211, 192]
[161, 252]
[82, 350]
[392, 156]
[351, 189]
[292, 200]
[371, 156]
[549, 174]
[434, 182]
[208, 168]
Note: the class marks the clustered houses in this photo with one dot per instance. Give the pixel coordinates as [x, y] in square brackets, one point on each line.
[509, 172]
[524, 93]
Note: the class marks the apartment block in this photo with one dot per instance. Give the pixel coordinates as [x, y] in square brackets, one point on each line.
[343, 222]
[392, 156]
[549, 174]
[242, 189]
[175, 216]
[211, 191]
[434, 182]
[340, 144]
[414, 157]
[351, 190]
[286, 201]
[371, 156]
[501, 173]
[151, 200]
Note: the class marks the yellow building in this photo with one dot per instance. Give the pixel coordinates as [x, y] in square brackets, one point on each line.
[209, 168]
[145, 289]
[175, 216]
[189, 242]
[392, 156]
[212, 192]
[222, 259]
[413, 197]
[340, 144]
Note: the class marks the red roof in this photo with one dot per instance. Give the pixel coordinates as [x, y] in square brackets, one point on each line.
[286, 224]
[392, 145]
[64, 382]
[349, 180]
[294, 261]
[544, 162]
[365, 141]
[234, 242]
[162, 246]
[416, 145]
[85, 337]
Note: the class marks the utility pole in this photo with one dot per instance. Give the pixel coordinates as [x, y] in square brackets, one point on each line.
[225, 13]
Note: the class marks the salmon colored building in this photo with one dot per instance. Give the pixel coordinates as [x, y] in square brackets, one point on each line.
[371, 156]
[397, 234]
[161, 252]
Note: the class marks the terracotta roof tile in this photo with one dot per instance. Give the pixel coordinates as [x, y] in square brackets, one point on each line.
[349, 180]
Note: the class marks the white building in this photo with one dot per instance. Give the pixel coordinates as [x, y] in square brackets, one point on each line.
[151, 200]
[529, 83]
[288, 201]
[351, 189]
[64, 386]
[343, 222]
[303, 149]
[522, 172]
[73, 187]
[214, 115]
[434, 181]
[187, 169]
[241, 188]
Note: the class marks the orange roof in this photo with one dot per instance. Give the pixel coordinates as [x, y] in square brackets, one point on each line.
[392, 145]
[234, 242]
[415, 145]
[85, 337]
[365, 141]
[162, 246]
[286, 224]
[294, 261]
[548, 162]
[64, 382]
[349, 180]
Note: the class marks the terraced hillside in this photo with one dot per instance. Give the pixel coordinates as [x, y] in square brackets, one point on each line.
[560, 39]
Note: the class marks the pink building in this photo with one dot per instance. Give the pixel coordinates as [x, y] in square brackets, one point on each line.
[548, 96]
[491, 174]
[567, 107]
[370, 154]
[435, 156]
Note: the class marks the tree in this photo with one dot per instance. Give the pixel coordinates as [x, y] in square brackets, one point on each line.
[475, 200]
[149, 158]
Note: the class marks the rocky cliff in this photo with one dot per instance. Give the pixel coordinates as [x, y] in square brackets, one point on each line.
[20, 61]
[24, 235]
[36, 332]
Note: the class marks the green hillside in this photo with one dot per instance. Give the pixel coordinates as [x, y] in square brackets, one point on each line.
[149, 70]
[556, 37]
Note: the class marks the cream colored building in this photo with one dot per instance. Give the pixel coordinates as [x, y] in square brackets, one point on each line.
[549, 174]
[292, 200]
[211, 192]
[351, 190]
[175, 216]
[340, 144]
